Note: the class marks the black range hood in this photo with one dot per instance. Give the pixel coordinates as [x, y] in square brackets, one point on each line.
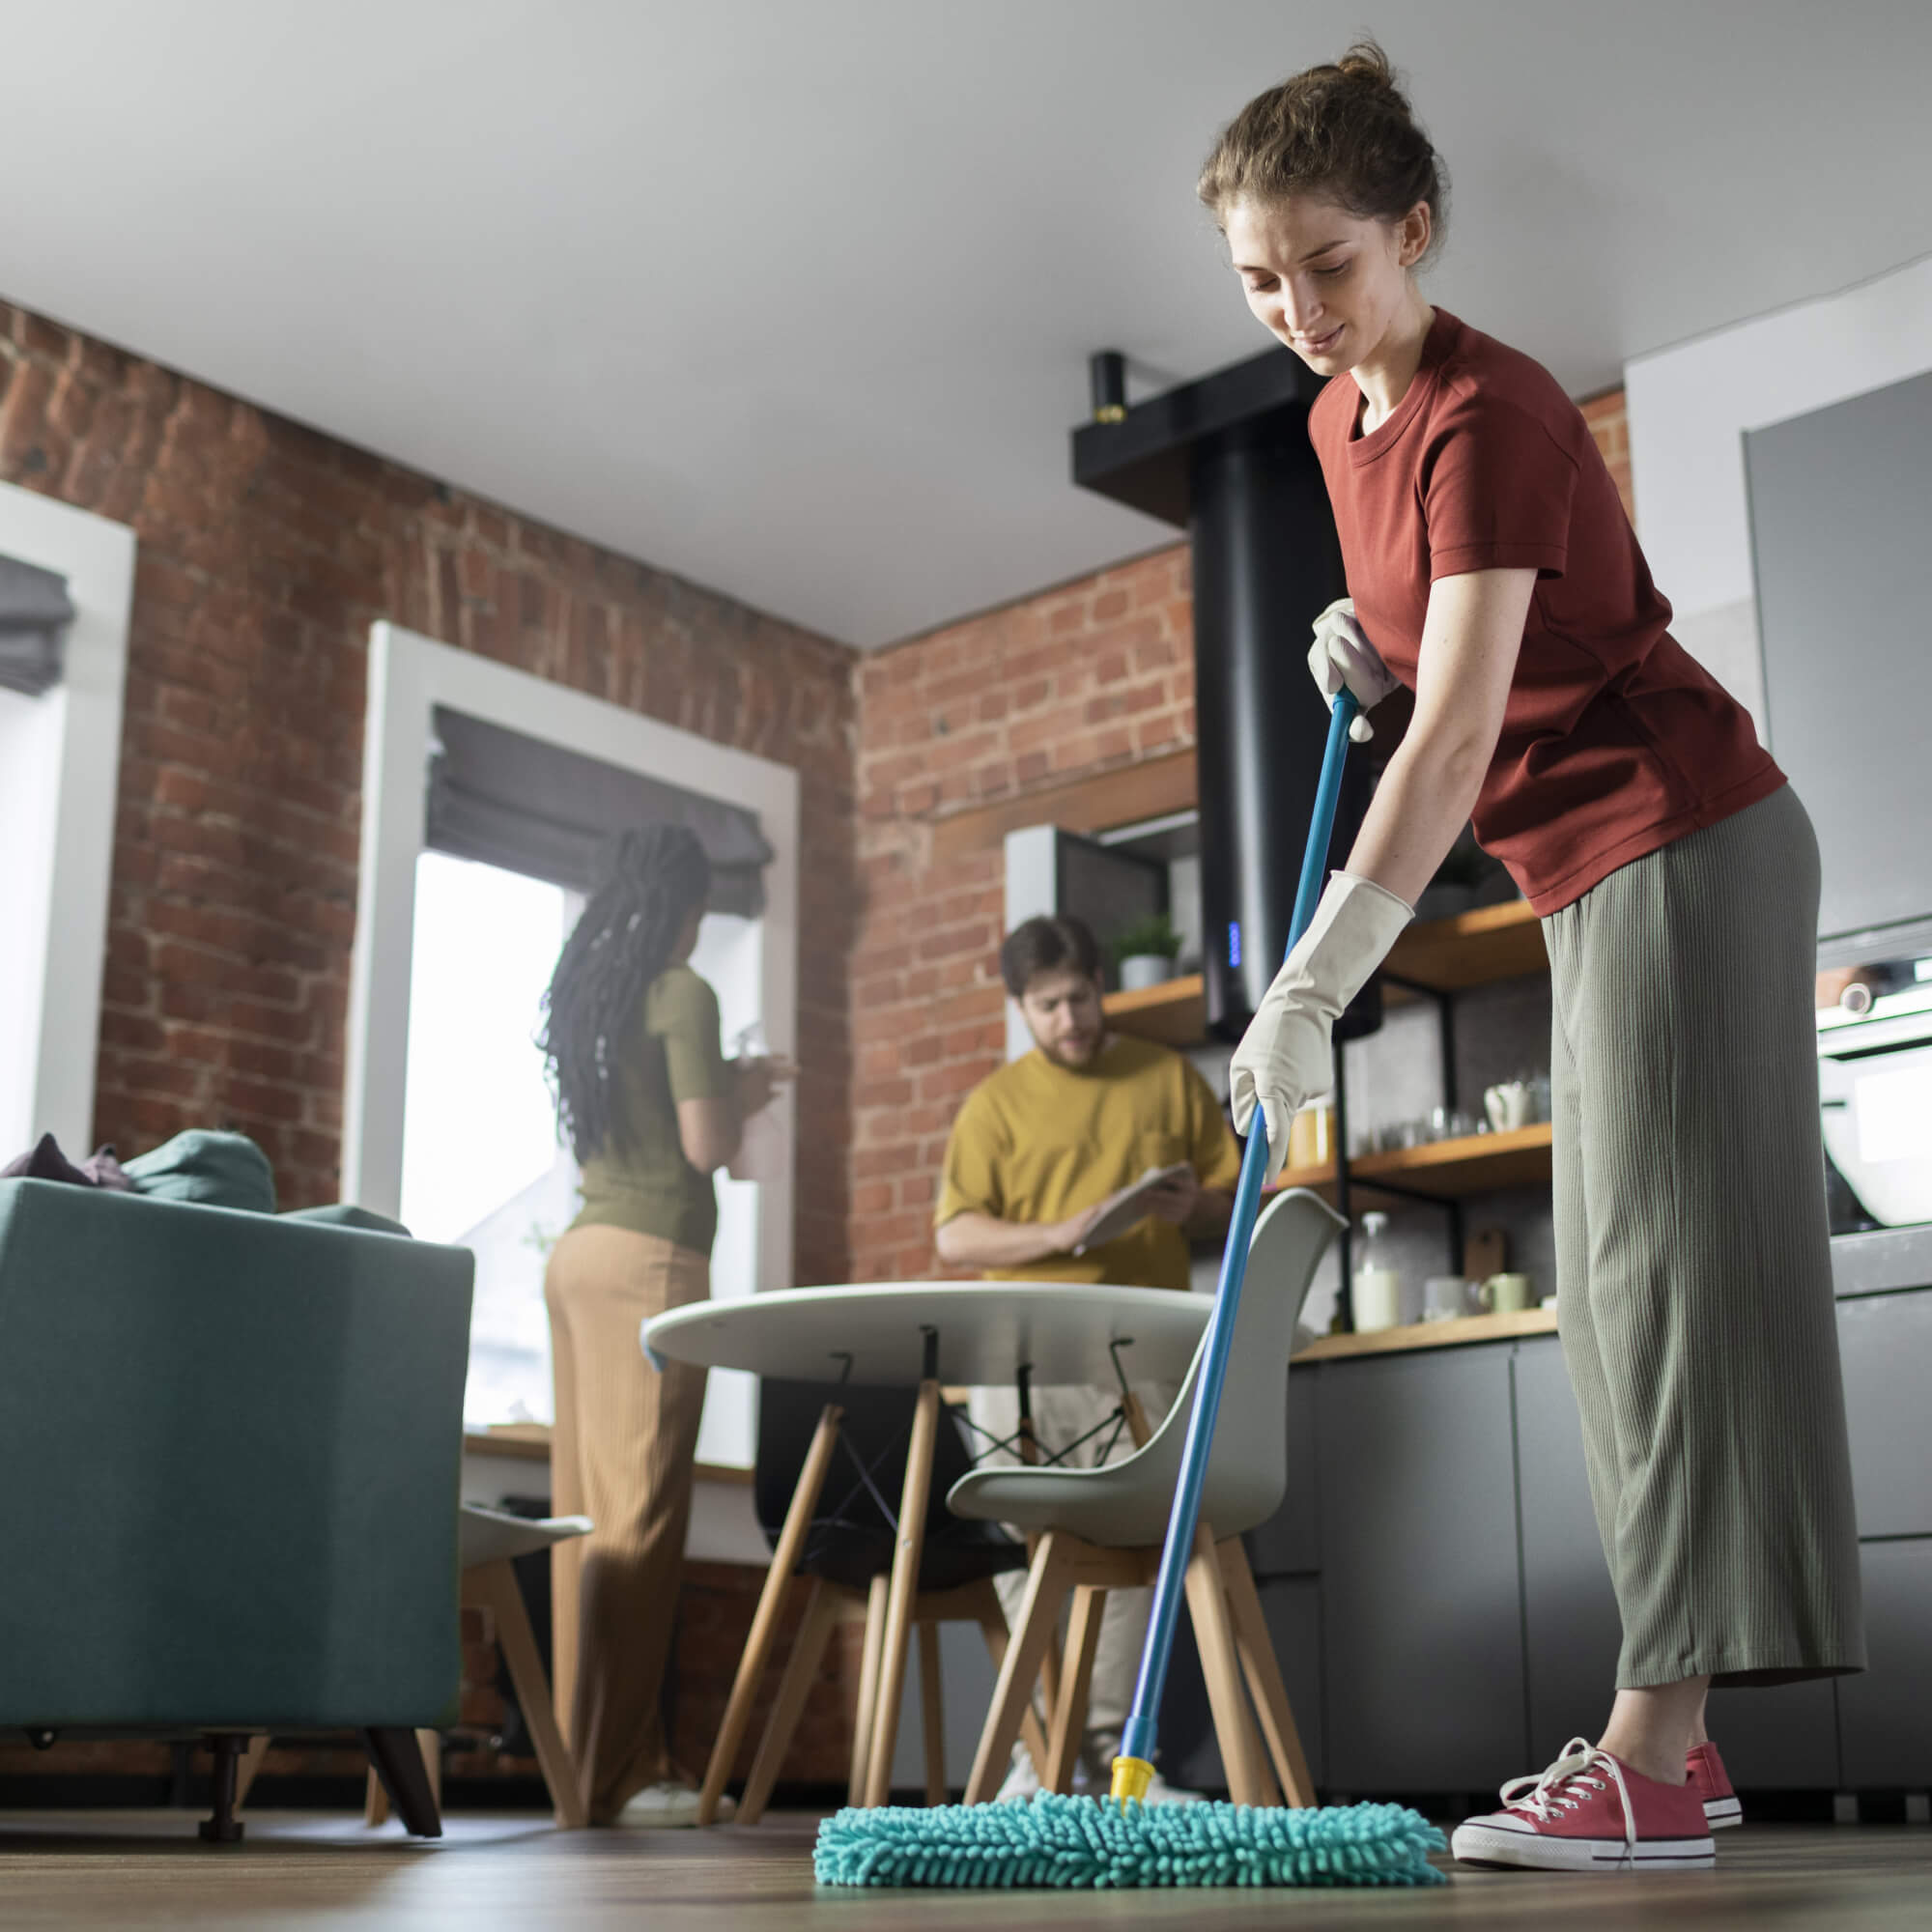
[1228, 459]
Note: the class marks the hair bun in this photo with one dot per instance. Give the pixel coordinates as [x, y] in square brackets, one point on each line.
[1366, 62]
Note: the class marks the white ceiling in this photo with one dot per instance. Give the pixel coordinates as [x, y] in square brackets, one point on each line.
[794, 297]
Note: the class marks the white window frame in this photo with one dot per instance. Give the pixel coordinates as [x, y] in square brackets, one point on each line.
[60, 789]
[409, 676]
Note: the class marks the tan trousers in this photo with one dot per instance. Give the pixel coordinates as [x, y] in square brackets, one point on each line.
[621, 1453]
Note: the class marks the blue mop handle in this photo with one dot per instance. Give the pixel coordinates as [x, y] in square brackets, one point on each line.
[1137, 1742]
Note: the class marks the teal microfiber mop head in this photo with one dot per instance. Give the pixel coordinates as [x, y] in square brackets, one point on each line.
[1096, 1842]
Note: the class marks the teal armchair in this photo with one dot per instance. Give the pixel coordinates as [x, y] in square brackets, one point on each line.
[230, 1449]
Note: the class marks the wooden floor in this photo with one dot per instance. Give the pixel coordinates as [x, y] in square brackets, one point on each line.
[87, 1869]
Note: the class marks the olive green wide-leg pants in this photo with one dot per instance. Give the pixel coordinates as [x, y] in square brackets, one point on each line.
[1693, 1259]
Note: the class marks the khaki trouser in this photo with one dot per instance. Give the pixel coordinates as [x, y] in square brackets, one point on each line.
[621, 1453]
[1060, 1416]
[1693, 1259]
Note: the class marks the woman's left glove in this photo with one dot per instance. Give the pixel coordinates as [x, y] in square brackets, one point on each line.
[1342, 656]
[1285, 1058]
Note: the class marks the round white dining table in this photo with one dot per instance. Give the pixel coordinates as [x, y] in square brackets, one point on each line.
[981, 1333]
[917, 1334]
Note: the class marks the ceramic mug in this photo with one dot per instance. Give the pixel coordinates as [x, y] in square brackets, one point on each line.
[1445, 1298]
[1507, 1293]
[1509, 1104]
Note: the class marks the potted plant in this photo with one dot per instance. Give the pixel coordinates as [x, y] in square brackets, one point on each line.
[1144, 954]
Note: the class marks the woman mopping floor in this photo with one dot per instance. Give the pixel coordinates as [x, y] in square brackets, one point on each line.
[1495, 574]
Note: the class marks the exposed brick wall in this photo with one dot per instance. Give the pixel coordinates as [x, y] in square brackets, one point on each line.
[266, 551]
[1093, 676]
[1083, 679]
[1609, 425]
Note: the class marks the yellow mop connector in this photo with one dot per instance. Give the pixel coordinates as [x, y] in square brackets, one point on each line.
[1133, 1778]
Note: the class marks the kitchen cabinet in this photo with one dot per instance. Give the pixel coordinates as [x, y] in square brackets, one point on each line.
[1885, 1717]
[1571, 1632]
[1885, 1343]
[1289, 1542]
[1420, 1615]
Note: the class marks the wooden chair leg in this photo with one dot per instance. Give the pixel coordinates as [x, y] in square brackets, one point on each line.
[906, 1554]
[493, 1587]
[1070, 1714]
[822, 1612]
[1248, 1780]
[1262, 1670]
[765, 1620]
[1047, 1585]
[1033, 1734]
[932, 1713]
[375, 1798]
[868, 1687]
[247, 1767]
[398, 1760]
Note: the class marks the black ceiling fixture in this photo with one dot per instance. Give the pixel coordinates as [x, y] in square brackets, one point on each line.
[1228, 459]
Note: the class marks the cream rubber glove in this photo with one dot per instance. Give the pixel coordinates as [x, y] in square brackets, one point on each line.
[1341, 655]
[1285, 1058]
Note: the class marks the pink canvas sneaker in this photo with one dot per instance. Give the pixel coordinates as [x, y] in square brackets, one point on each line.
[1709, 1782]
[1589, 1811]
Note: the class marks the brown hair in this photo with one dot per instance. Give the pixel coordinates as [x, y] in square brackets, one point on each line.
[1048, 945]
[1343, 131]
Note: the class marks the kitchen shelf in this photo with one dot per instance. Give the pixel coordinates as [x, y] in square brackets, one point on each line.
[1473, 949]
[1442, 1170]
[1173, 1013]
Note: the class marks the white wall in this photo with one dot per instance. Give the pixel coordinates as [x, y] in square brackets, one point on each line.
[60, 757]
[409, 676]
[1689, 410]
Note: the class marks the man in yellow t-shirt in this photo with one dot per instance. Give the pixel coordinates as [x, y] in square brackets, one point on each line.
[1035, 1150]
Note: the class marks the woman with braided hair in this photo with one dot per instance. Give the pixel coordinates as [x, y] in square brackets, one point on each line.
[652, 1109]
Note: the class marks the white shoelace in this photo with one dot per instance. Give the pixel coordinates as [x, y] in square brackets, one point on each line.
[1556, 1790]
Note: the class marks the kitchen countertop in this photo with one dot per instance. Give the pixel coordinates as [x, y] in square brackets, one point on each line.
[1882, 1260]
[1432, 1335]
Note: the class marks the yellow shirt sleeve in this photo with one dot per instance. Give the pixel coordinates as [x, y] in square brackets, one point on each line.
[1216, 1153]
[971, 1180]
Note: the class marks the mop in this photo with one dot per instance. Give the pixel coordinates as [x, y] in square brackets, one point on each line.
[1121, 1840]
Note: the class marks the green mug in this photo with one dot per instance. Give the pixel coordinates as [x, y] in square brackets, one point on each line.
[1507, 1293]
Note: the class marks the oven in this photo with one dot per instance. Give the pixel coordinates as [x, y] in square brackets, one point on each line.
[1875, 1089]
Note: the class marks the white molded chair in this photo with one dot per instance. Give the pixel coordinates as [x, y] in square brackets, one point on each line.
[1102, 1529]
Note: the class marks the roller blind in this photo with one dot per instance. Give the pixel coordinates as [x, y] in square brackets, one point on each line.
[535, 807]
[35, 612]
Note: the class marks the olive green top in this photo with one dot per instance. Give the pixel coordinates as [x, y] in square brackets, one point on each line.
[640, 1180]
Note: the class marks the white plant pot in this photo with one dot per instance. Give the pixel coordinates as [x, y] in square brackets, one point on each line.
[1141, 970]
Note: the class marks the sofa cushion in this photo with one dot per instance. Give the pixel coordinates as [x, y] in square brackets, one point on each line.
[213, 1169]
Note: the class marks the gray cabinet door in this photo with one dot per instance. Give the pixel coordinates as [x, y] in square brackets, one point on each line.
[1782, 1738]
[1571, 1628]
[1885, 1717]
[1886, 1343]
[1288, 1543]
[1421, 1622]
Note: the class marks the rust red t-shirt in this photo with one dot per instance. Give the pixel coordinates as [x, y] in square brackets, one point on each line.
[1615, 740]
